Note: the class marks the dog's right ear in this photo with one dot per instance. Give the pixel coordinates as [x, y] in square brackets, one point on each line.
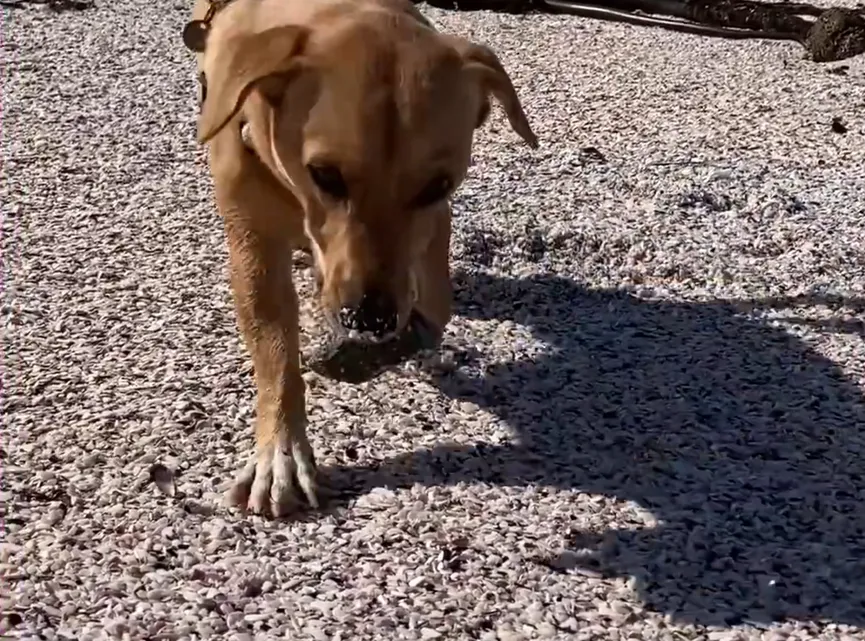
[269, 59]
[482, 62]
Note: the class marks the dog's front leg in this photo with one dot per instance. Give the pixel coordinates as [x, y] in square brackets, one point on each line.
[435, 293]
[267, 314]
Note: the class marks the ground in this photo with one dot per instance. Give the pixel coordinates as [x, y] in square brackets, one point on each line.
[647, 421]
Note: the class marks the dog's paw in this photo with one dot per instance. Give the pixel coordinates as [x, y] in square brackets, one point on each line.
[276, 481]
[356, 361]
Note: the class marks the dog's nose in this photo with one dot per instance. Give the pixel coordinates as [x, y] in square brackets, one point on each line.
[375, 313]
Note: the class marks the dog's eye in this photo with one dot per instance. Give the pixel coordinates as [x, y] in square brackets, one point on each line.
[436, 189]
[329, 180]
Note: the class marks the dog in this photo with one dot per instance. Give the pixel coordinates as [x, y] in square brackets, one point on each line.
[340, 127]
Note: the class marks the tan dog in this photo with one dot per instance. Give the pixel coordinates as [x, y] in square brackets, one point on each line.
[360, 118]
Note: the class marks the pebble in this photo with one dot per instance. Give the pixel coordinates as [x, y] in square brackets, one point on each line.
[316, 633]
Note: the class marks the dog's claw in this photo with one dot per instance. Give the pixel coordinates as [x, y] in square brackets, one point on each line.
[275, 480]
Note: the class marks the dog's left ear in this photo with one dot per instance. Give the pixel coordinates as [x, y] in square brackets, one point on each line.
[481, 61]
[269, 60]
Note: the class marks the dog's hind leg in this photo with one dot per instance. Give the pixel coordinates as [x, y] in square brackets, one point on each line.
[283, 467]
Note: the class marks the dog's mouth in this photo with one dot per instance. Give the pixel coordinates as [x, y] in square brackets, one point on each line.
[339, 332]
[353, 358]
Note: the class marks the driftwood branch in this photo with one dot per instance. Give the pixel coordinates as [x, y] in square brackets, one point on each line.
[54, 5]
[828, 34]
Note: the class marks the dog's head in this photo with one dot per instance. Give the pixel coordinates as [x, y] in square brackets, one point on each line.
[371, 121]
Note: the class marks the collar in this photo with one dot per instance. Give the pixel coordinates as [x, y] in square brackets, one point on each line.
[195, 32]
[246, 137]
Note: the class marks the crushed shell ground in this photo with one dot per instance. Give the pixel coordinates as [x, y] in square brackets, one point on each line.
[647, 421]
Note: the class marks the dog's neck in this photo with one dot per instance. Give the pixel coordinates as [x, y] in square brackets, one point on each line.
[255, 129]
[269, 158]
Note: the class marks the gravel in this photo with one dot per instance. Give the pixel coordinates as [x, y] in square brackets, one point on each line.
[647, 421]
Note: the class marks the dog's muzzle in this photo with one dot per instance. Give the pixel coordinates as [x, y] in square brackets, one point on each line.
[376, 314]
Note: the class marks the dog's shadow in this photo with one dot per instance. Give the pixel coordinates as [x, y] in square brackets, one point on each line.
[745, 445]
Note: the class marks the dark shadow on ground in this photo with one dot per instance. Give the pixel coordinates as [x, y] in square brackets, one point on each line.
[743, 442]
